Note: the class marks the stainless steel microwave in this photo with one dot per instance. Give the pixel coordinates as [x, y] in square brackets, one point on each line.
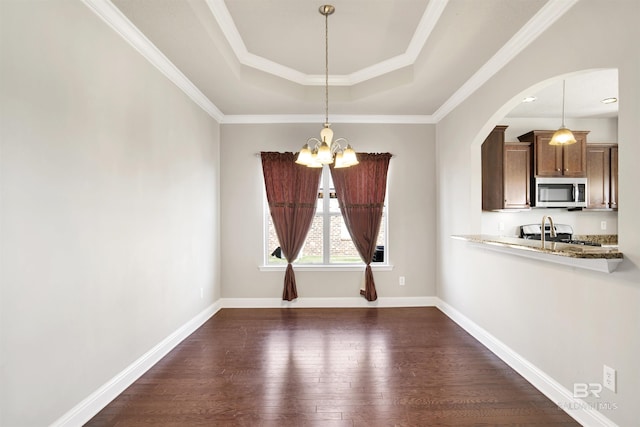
[560, 193]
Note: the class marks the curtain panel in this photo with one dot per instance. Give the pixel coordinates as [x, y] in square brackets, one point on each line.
[292, 192]
[361, 191]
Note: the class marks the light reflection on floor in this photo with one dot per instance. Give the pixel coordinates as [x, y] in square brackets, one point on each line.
[310, 366]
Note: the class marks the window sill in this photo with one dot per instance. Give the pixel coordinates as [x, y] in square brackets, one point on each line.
[346, 267]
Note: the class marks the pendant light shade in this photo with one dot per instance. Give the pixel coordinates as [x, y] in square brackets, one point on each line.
[324, 153]
[304, 156]
[325, 148]
[562, 136]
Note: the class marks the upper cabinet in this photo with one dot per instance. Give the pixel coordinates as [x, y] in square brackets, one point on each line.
[517, 175]
[602, 176]
[614, 177]
[506, 172]
[557, 160]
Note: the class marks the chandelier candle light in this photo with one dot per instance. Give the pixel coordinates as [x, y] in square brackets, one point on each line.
[562, 136]
[325, 148]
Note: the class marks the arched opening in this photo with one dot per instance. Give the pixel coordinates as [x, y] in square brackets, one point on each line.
[584, 111]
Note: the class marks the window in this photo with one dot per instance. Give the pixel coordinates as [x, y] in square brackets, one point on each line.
[328, 241]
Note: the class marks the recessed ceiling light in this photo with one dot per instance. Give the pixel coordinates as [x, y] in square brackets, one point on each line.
[609, 100]
[529, 99]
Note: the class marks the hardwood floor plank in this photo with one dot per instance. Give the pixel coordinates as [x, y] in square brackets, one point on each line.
[331, 367]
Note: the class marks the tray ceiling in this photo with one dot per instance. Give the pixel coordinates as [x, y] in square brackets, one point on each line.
[412, 58]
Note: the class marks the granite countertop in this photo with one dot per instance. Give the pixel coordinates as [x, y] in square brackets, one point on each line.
[553, 248]
[604, 259]
[603, 239]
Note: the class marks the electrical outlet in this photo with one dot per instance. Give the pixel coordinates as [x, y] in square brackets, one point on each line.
[401, 281]
[501, 226]
[603, 225]
[609, 378]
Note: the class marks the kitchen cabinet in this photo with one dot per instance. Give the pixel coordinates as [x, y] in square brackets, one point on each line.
[614, 177]
[506, 172]
[517, 175]
[557, 160]
[602, 176]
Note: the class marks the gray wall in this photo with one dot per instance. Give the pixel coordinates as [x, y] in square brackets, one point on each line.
[411, 192]
[113, 190]
[567, 322]
[109, 189]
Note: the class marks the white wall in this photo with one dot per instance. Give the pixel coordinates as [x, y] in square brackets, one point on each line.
[109, 227]
[601, 130]
[411, 189]
[565, 321]
[584, 222]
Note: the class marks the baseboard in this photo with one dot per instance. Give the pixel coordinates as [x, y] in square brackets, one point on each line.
[580, 410]
[86, 409]
[351, 302]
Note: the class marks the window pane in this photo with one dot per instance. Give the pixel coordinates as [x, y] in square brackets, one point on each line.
[274, 253]
[311, 252]
[381, 236]
[320, 201]
[380, 255]
[336, 239]
[342, 249]
[334, 207]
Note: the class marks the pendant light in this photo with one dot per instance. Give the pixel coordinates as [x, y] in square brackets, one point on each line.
[318, 152]
[562, 136]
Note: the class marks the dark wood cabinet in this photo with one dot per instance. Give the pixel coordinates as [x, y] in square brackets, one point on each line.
[557, 160]
[492, 158]
[506, 172]
[614, 177]
[517, 175]
[602, 176]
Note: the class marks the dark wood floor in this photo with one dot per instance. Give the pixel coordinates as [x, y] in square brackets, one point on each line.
[331, 367]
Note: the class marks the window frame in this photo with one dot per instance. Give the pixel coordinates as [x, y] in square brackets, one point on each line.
[326, 215]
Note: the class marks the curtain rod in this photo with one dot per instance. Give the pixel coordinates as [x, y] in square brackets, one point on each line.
[259, 154]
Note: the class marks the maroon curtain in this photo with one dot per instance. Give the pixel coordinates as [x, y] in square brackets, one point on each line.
[361, 190]
[292, 192]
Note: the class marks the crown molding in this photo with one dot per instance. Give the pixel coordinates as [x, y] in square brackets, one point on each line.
[318, 118]
[545, 17]
[426, 25]
[220, 12]
[537, 25]
[112, 16]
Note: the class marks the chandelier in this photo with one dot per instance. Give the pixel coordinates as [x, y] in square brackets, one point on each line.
[562, 136]
[318, 152]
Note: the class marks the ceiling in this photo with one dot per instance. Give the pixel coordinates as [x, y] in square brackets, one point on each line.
[389, 60]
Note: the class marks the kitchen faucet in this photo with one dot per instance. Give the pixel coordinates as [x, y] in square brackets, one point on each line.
[552, 228]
